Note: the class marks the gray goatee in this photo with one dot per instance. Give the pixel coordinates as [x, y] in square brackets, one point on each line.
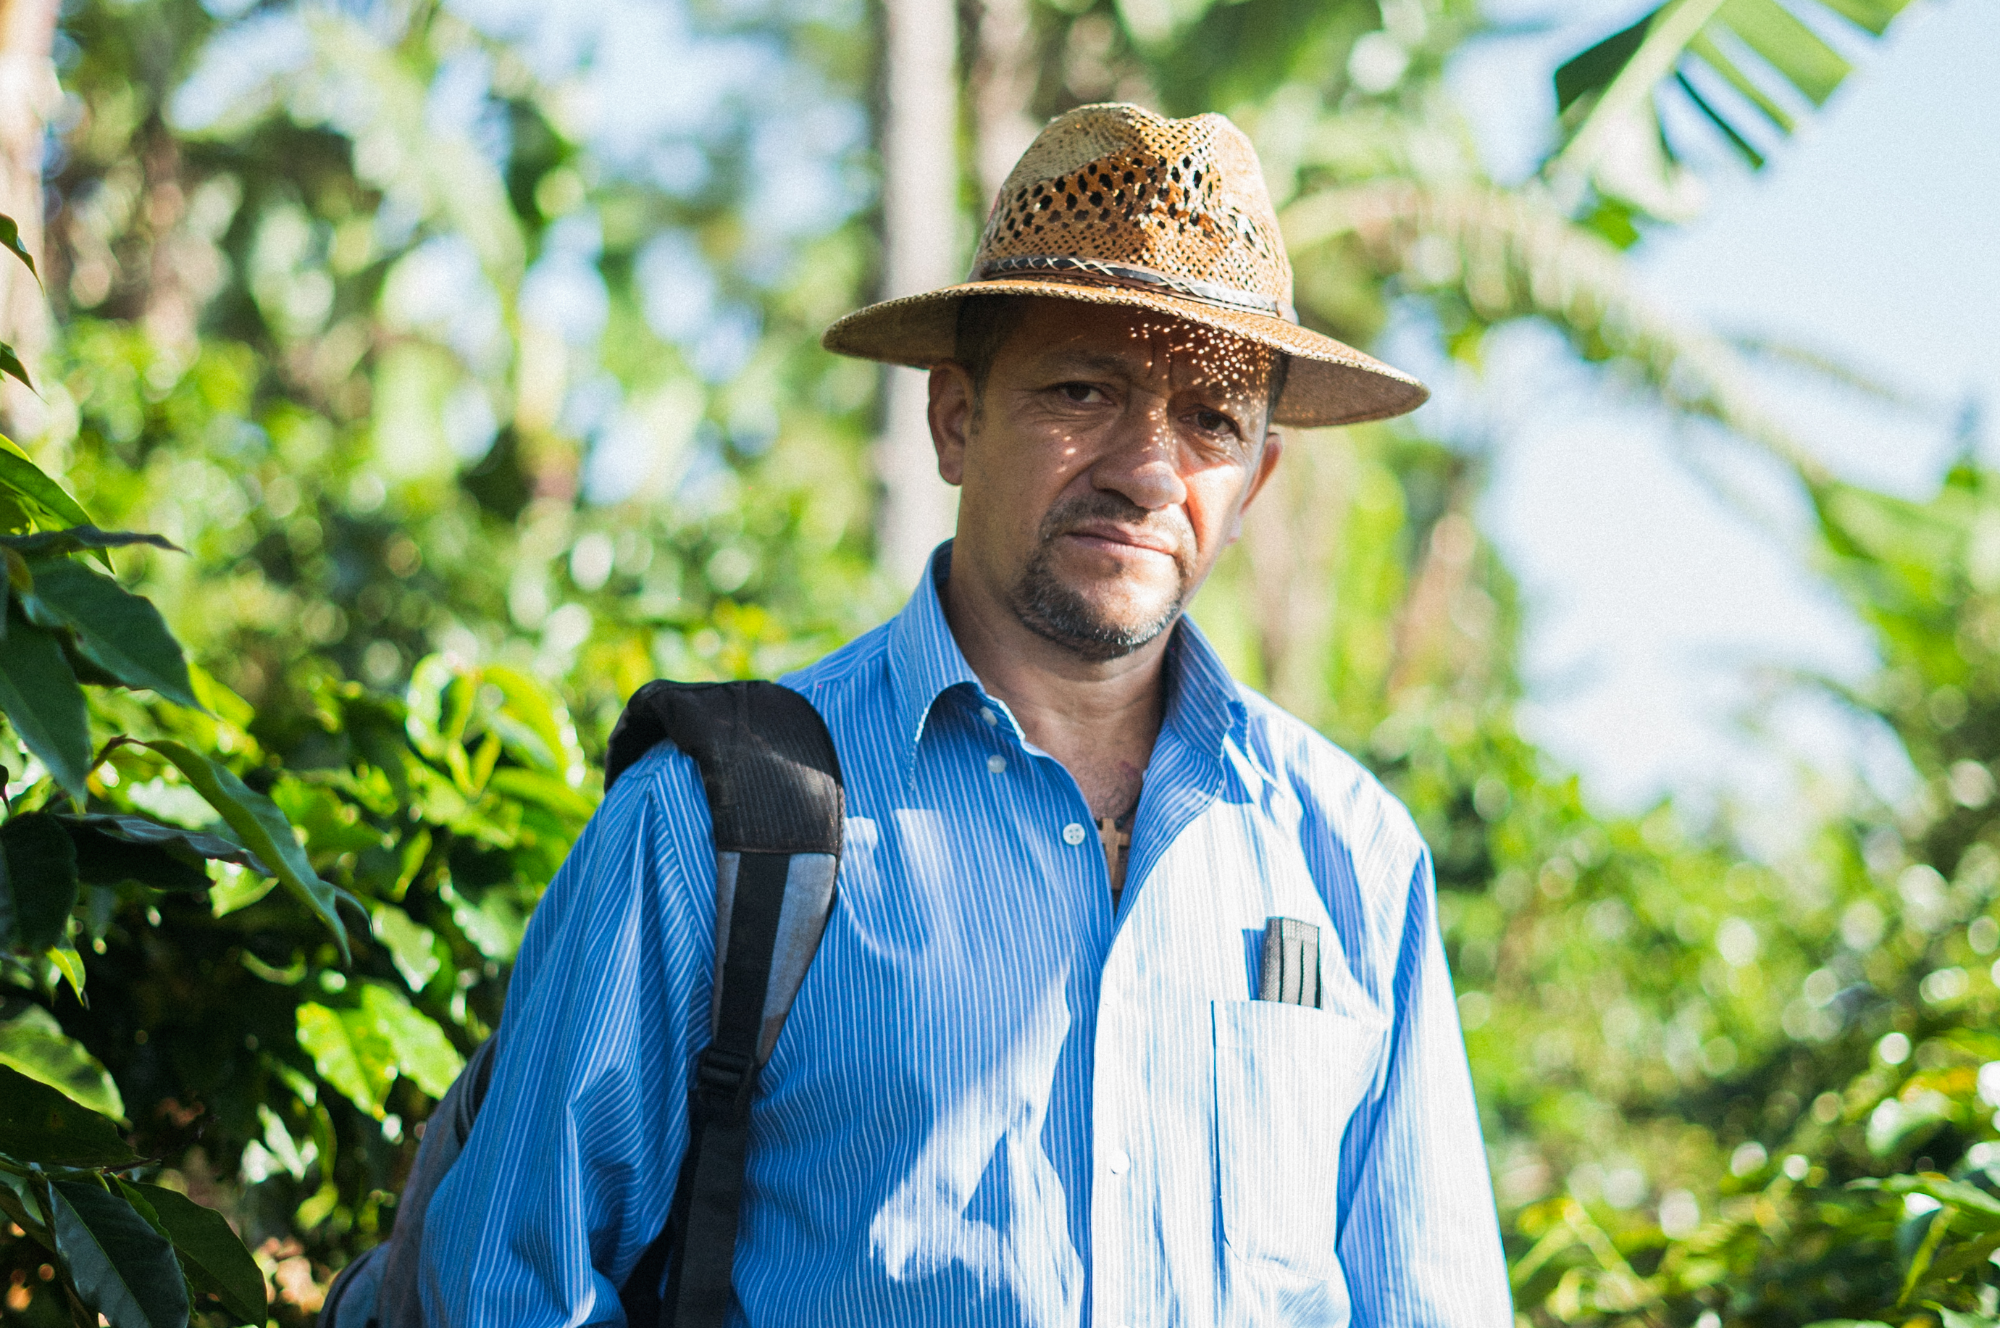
[1056, 612]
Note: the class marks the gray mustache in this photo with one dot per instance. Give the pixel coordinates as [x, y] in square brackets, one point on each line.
[1171, 522]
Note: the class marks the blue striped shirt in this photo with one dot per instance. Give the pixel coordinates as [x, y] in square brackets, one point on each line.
[998, 1101]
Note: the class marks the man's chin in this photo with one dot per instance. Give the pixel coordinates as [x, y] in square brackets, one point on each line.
[1098, 622]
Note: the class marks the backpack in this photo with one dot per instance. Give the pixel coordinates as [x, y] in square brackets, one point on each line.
[774, 793]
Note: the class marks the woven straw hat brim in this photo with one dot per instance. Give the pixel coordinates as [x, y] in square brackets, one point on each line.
[1329, 382]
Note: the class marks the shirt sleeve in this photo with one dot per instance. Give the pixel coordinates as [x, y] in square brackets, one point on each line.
[570, 1168]
[1420, 1240]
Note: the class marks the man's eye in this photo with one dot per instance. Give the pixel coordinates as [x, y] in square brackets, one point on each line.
[1214, 421]
[1079, 392]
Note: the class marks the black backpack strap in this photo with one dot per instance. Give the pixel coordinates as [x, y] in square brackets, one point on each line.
[774, 793]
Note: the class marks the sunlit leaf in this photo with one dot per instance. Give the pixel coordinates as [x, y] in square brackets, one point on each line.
[214, 1258]
[76, 539]
[1954, 1192]
[121, 633]
[1789, 46]
[47, 501]
[41, 699]
[10, 364]
[492, 923]
[543, 790]
[39, 1123]
[413, 948]
[10, 240]
[350, 1053]
[262, 828]
[1625, 71]
[540, 731]
[68, 965]
[33, 1043]
[423, 1053]
[121, 1267]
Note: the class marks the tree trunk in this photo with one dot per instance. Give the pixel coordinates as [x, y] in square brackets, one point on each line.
[1003, 77]
[920, 243]
[28, 92]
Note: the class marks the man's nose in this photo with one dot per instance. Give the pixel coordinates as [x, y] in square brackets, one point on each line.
[1139, 460]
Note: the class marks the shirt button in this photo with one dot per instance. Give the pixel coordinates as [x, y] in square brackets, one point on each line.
[986, 713]
[996, 763]
[1073, 833]
[1118, 1163]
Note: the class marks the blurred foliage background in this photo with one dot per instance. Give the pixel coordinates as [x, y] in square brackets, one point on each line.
[477, 374]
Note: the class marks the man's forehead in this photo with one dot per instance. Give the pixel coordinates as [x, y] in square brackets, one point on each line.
[1141, 344]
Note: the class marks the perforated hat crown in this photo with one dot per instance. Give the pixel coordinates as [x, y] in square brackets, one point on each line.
[1113, 204]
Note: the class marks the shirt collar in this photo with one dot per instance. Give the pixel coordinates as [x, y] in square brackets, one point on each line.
[924, 659]
[1203, 705]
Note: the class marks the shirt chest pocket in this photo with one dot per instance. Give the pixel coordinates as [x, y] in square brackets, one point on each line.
[1287, 1078]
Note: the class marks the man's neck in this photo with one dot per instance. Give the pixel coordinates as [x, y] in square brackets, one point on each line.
[1098, 717]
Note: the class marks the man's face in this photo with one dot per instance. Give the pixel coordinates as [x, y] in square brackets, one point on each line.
[1104, 468]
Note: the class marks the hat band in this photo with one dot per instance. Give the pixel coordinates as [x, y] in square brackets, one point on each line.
[1137, 278]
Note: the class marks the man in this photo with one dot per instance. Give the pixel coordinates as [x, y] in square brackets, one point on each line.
[1028, 1080]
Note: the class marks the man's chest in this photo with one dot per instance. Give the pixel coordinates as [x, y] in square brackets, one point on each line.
[1009, 1076]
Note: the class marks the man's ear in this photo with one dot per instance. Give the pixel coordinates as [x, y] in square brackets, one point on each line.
[1267, 461]
[951, 411]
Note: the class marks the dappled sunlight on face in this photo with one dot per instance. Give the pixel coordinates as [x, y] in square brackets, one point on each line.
[1113, 452]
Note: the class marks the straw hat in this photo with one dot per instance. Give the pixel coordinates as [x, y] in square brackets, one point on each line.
[1113, 204]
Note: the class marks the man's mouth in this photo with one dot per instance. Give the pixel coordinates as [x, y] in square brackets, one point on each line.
[1115, 538]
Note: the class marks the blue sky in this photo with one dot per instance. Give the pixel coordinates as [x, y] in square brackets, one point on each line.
[1664, 569]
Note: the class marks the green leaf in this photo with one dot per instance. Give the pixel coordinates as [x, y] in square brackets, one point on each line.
[350, 1053]
[1874, 15]
[1593, 70]
[40, 876]
[533, 722]
[41, 699]
[109, 861]
[1792, 48]
[10, 240]
[1954, 1192]
[75, 539]
[10, 364]
[118, 631]
[40, 1124]
[19, 1204]
[112, 849]
[69, 964]
[412, 947]
[214, 1258]
[33, 1043]
[1627, 69]
[121, 1267]
[542, 790]
[43, 499]
[1712, 55]
[262, 828]
[423, 1053]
